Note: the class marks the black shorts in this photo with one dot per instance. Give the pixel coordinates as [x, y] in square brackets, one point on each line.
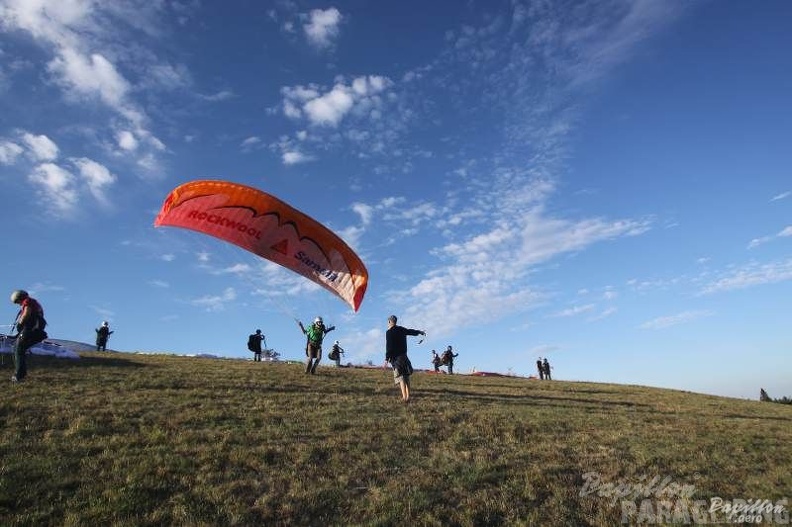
[313, 351]
[402, 367]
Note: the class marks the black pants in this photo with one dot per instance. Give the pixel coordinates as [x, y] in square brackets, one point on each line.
[20, 356]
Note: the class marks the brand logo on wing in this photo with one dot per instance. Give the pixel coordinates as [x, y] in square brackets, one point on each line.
[327, 273]
[225, 222]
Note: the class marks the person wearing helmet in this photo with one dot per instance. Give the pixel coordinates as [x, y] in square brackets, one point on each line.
[102, 334]
[30, 325]
[335, 353]
[313, 347]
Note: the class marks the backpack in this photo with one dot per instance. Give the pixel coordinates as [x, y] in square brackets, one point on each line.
[37, 333]
[252, 343]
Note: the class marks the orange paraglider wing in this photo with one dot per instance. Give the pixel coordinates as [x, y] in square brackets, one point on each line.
[270, 228]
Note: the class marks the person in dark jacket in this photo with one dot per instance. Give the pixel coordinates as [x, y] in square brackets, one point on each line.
[396, 354]
[102, 334]
[546, 368]
[436, 361]
[30, 325]
[540, 368]
[254, 344]
[448, 359]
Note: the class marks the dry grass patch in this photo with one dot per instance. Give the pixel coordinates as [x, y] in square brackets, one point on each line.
[123, 439]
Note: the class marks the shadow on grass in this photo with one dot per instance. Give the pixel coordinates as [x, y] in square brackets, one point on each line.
[530, 398]
[55, 363]
[763, 417]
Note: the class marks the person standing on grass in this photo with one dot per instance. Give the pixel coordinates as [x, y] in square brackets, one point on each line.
[436, 361]
[540, 368]
[396, 354]
[102, 334]
[254, 344]
[335, 353]
[448, 359]
[546, 368]
[30, 326]
[313, 347]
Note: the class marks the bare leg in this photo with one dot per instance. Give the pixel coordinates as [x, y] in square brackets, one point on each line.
[405, 390]
[316, 362]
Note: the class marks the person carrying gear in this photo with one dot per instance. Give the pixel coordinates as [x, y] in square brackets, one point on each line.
[30, 324]
[254, 344]
[335, 353]
[102, 334]
[448, 359]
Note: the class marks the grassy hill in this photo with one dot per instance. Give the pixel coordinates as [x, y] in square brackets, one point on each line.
[126, 439]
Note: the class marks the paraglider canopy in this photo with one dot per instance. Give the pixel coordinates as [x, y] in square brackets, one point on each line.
[270, 228]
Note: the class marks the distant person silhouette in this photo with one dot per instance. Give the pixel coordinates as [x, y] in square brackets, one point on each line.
[436, 361]
[448, 359]
[335, 353]
[254, 344]
[102, 335]
[540, 368]
[546, 368]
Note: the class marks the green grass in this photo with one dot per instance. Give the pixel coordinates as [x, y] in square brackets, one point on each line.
[125, 439]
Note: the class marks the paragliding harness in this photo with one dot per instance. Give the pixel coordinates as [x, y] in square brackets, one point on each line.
[252, 343]
[335, 353]
[33, 333]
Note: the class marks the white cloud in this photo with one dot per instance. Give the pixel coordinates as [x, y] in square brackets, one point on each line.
[96, 176]
[70, 29]
[50, 20]
[756, 242]
[322, 27]
[238, 269]
[216, 302]
[90, 76]
[9, 152]
[222, 95]
[750, 275]
[364, 211]
[604, 314]
[673, 320]
[56, 187]
[41, 147]
[783, 195]
[330, 108]
[573, 311]
[126, 140]
[250, 143]
[294, 157]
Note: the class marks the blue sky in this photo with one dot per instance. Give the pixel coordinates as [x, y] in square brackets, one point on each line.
[607, 184]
